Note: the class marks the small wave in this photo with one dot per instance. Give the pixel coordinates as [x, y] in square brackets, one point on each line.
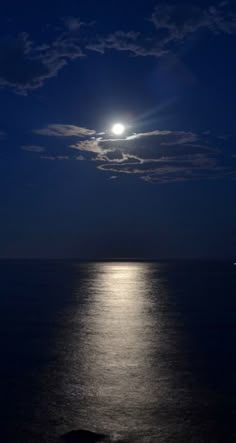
[83, 436]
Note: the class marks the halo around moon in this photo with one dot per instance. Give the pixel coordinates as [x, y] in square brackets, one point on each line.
[118, 129]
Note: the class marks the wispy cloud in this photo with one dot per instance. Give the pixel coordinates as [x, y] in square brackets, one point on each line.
[62, 157]
[25, 66]
[160, 156]
[113, 177]
[73, 24]
[133, 42]
[170, 24]
[33, 148]
[64, 131]
[157, 156]
[178, 21]
[48, 157]
[54, 157]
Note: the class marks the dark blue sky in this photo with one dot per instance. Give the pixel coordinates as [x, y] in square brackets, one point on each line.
[69, 187]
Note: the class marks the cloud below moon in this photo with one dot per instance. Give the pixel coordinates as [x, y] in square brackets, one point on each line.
[157, 156]
[154, 156]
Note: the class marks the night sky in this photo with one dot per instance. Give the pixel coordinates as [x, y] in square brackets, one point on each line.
[166, 187]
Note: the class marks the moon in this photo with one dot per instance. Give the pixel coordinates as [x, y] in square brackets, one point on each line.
[118, 129]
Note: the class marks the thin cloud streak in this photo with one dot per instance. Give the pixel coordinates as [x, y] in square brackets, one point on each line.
[60, 130]
[33, 148]
[52, 157]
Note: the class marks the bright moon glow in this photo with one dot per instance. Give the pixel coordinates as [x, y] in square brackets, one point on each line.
[118, 129]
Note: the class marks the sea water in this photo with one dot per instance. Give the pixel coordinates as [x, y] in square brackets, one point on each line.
[138, 351]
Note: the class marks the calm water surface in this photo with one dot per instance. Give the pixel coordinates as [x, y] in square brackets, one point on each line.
[143, 352]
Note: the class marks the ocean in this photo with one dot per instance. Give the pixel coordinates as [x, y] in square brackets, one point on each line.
[137, 351]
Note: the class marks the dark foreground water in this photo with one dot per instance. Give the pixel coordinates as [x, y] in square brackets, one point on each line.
[142, 352]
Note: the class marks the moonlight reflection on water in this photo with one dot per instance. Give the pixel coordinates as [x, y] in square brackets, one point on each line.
[121, 346]
[138, 352]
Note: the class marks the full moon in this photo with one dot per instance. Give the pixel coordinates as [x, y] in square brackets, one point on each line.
[118, 129]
